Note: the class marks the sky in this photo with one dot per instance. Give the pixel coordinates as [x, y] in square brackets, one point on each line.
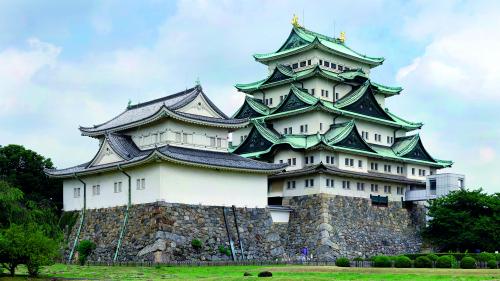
[69, 63]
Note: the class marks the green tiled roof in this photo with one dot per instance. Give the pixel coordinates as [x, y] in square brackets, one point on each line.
[337, 108]
[306, 39]
[316, 71]
[333, 137]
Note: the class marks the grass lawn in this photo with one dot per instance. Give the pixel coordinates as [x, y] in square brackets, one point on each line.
[73, 272]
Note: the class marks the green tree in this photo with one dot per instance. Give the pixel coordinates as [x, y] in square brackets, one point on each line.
[26, 244]
[464, 220]
[24, 169]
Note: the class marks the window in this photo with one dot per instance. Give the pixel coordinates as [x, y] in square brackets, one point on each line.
[387, 168]
[96, 190]
[290, 130]
[282, 98]
[374, 166]
[378, 137]
[309, 183]
[270, 101]
[346, 162]
[185, 138]
[309, 159]
[322, 92]
[292, 161]
[308, 62]
[242, 138]
[413, 171]
[76, 192]
[346, 184]
[364, 135]
[336, 96]
[333, 65]
[330, 160]
[295, 65]
[302, 63]
[340, 67]
[360, 186]
[219, 142]
[118, 187]
[351, 162]
[281, 161]
[327, 64]
[290, 185]
[326, 93]
[346, 68]
[387, 189]
[330, 183]
[212, 141]
[178, 137]
[432, 184]
[320, 62]
[303, 128]
[401, 190]
[285, 131]
[374, 187]
[360, 164]
[312, 92]
[141, 184]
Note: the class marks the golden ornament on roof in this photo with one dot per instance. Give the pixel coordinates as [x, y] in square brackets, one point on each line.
[342, 37]
[295, 21]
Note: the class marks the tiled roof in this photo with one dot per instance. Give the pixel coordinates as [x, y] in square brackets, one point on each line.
[143, 112]
[336, 171]
[126, 148]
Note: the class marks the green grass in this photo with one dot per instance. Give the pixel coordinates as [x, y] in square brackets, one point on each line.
[75, 272]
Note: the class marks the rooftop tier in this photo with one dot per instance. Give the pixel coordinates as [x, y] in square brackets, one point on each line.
[301, 40]
[191, 106]
[343, 137]
[283, 74]
[358, 104]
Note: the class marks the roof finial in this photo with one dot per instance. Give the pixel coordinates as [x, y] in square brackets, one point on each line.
[342, 36]
[129, 103]
[197, 81]
[295, 21]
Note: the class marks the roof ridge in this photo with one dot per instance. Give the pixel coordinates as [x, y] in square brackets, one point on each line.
[165, 98]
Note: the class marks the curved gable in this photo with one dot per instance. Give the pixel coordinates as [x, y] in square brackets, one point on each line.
[253, 143]
[200, 106]
[105, 155]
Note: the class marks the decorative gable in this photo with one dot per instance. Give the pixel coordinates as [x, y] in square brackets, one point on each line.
[199, 106]
[253, 143]
[247, 111]
[368, 105]
[106, 155]
[353, 140]
[290, 103]
[419, 153]
[293, 41]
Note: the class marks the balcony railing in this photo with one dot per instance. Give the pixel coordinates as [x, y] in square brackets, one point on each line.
[419, 195]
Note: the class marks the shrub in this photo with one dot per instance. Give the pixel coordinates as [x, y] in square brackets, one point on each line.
[423, 262]
[433, 257]
[342, 262]
[444, 262]
[492, 264]
[84, 250]
[196, 244]
[382, 261]
[468, 263]
[224, 250]
[402, 262]
[247, 273]
[484, 256]
[265, 274]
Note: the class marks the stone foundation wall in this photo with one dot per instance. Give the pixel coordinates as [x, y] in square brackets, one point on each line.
[329, 226]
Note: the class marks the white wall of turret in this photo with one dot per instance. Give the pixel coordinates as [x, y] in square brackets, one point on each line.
[173, 132]
[167, 182]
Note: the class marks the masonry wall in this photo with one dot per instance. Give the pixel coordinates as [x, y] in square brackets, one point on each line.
[329, 226]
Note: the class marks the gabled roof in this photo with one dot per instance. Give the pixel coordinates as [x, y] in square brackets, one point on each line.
[341, 137]
[354, 105]
[301, 39]
[133, 156]
[355, 76]
[150, 111]
[251, 108]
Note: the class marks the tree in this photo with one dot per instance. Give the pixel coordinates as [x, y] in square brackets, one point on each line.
[24, 168]
[26, 244]
[464, 220]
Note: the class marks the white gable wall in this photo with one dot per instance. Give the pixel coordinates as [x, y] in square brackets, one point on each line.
[199, 106]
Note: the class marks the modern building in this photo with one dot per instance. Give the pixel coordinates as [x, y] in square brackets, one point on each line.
[172, 149]
[319, 112]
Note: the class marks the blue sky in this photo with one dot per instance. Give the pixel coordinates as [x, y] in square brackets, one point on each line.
[70, 63]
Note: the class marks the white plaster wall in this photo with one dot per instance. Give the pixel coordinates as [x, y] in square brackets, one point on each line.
[279, 216]
[408, 171]
[341, 162]
[236, 135]
[106, 155]
[107, 197]
[200, 106]
[300, 188]
[312, 119]
[289, 154]
[163, 132]
[192, 185]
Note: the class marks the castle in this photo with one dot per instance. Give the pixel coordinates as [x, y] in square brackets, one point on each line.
[315, 160]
